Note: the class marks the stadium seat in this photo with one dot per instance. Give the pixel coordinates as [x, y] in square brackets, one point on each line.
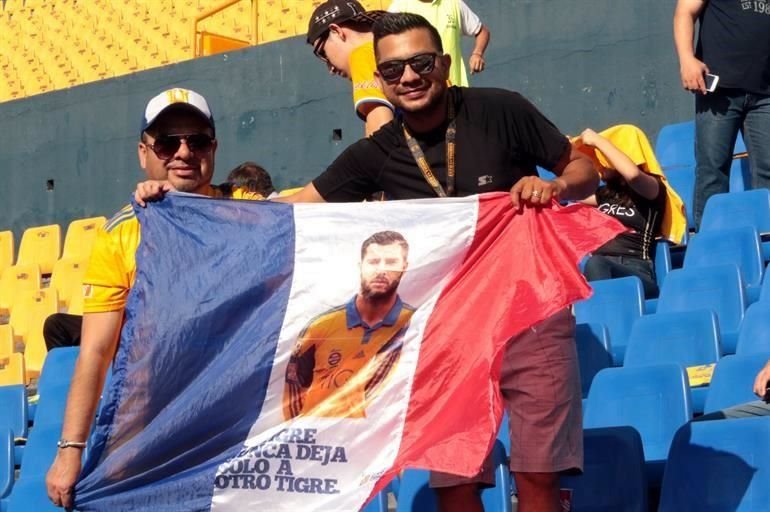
[41, 245]
[754, 336]
[594, 352]
[414, 494]
[12, 370]
[675, 145]
[6, 250]
[7, 345]
[733, 381]
[683, 181]
[14, 281]
[655, 400]
[27, 320]
[30, 494]
[58, 368]
[662, 261]
[80, 238]
[613, 478]
[76, 304]
[40, 450]
[740, 175]
[687, 338]
[67, 279]
[736, 209]
[616, 303]
[764, 294]
[13, 410]
[379, 503]
[739, 245]
[718, 288]
[719, 466]
[6, 461]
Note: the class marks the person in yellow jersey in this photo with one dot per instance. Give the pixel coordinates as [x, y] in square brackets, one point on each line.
[340, 32]
[345, 354]
[453, 19]
[177, 144]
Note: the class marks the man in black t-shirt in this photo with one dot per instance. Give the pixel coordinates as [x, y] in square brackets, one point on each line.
[733, 43]
[498, 138]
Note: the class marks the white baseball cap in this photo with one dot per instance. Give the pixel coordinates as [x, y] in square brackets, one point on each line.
[176, 97]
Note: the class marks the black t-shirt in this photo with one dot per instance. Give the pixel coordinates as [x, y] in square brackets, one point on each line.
[734, 42]
[501, 137]
[634, 211]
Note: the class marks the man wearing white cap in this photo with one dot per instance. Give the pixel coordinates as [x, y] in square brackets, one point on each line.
[177, 144]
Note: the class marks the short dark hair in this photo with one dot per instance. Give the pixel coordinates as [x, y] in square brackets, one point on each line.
[385, 238]
[253, 177]
[394, 23]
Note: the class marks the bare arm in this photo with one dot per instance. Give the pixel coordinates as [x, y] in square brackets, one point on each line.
[690, 68]
[377, 115]
[308, 194]
[477, 62]
[99, 341]
[641, 182]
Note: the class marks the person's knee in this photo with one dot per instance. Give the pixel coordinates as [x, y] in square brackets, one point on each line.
[537, 480]
[459, 498]
[596, 268]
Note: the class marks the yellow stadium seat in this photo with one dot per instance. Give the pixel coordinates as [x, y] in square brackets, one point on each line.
[80, 237]
[14, 281]
[7, 345]
[27, 322]
[40, 245]
[12, 370]
[6, 250]
[67, 279]
[76, 303]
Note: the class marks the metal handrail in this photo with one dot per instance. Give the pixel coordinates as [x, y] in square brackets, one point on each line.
[218, 8]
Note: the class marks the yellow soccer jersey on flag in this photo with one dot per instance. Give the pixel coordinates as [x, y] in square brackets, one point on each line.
[366, 90]
[112, 267]
[339, 361]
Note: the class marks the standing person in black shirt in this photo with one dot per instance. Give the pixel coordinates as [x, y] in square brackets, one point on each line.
[452, 141]
[638, 200]
[733, 43]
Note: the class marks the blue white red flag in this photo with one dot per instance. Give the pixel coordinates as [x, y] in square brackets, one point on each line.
[248, 378]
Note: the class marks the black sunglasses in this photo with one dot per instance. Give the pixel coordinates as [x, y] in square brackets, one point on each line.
[318, 49]
[392, 70]
[166, 146]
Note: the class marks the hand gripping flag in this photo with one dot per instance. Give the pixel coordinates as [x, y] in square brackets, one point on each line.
[268, 361]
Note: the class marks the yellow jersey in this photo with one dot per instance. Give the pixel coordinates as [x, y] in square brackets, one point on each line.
[366, 90]
[112, 267]
[339, 361]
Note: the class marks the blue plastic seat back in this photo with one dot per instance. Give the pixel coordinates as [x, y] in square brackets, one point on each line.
[50, 408]
[40, 451]
[716, 466]
[13, 409]
[736, 209]
[613, 476]
[740, 175]
[30, 495]
[593, 350]
[718, 288]
[675, 145]
[739, 245]
[764, 295]
[616, 303]
[683, 181]
[655, 400]
[6, 461]
[663, 263]
[379, 503]
[733, 381]
[58, 368]
[688, 338]
[754, 335]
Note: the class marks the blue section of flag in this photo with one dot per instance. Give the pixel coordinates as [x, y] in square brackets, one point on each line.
[195, 354]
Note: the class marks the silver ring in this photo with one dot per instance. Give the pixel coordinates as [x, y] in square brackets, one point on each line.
[536, 193]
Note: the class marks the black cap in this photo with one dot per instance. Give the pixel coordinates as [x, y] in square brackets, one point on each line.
[337, 11]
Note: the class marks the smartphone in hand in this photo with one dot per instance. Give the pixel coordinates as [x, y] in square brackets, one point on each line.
[711, 82]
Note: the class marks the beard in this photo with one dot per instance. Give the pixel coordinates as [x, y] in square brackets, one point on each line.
[379, 295]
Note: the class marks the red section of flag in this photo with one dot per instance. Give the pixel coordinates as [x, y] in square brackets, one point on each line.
[520, 269]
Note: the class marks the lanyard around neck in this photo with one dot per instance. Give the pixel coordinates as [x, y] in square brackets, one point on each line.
[422, 162]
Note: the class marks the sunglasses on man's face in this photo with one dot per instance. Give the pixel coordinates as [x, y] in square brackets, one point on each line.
[318, 49]
[166, 146]
[422, 64]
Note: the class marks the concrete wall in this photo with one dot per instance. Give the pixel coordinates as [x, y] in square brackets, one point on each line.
[583, 62]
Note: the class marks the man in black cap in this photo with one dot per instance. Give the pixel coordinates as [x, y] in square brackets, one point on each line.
[340, 32]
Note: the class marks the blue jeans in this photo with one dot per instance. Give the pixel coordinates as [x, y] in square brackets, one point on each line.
[747, 410]
[718, 117]
[600, 266]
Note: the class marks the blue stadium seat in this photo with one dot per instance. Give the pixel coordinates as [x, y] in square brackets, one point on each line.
[50, 407]
[740, 175]
[675, 145]
[58, 368]
[6, 461]
[662, 261]
[13, 409]
[749, 208]
[683, 181]
[414, 494]
[719, 466]
[718, 288]
[655, 400]
[754, 335]
[379, 503]
[545, 174]
[616, 303]
[594, 353]
[687, 338]
[40, 451]
[764, 294]
[733, 381]
[30, 495]
[613, 476]
[739, 245]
